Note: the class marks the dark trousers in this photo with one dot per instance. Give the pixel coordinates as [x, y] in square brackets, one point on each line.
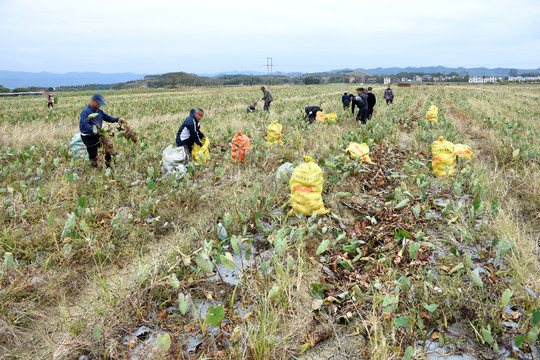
[92, 145]
[267, 106]
[346, 104]
[362, 115]
[388, 101]
[369, 113]
[50, 105]
[312, 117]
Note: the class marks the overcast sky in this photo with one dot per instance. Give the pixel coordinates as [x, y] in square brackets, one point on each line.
[157, 36]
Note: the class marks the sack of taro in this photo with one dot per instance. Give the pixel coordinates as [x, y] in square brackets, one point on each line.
[78, 149]
[273, 133]
[321, 116]
[306, 188]
[174, 161]
[331, 118]
[463, 151]
[432, 114]
[355, 150]
[201, 153]
[240, 147]
[443, 158]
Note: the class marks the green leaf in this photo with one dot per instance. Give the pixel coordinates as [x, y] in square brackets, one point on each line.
[535, 317]
[430, 308]
[402, 322]
[486, 334]
[204, 263]
[317, 290]
[515, 154]
[475, 277]
[274, 292]
[69, 177]
[468, 260]
[184, 301]
[174, 281]
[344, 264]
[323, 246]
[8, 261]
[388, 300]
[68, 226]
[344, 194]
[96, 333]
[235, 244]
[357, 291]
[50, 219]
[227, 260]
[533, 335]
[413, 249]
[84, 226]
[519, 340]
[215, 315]
[507, 294]
[408, 353]
[82, 201]
[164, 342]
[402, 204]
[416, 211]
[227, 220]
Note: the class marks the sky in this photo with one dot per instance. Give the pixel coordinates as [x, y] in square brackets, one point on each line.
[158, 36]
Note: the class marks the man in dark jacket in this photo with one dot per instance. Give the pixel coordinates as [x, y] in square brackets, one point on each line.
[89, 126]
[311, 113]
[251, 107]
[267, 97]
[190, 131]
[371, 101]
[346, 101]
[360, 101]
[389, 95]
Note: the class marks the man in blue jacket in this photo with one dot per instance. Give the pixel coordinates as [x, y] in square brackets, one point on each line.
[345, 99]
[90, 124]
[190, 131]
[361, 103]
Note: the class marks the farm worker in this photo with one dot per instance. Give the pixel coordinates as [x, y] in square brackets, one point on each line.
[360, 101]
[89, 127]
[311, 113]
[190, 131]
[251, 107]
[346, 100]
[267, 97]
[50, 101]
[371, 101]
[388, 95]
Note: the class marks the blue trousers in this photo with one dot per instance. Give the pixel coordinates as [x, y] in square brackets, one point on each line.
[267, 106]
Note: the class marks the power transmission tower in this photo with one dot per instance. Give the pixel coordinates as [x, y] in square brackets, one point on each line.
[269, 70]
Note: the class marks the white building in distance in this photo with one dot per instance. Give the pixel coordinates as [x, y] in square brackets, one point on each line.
[387, 80]
[484, 79]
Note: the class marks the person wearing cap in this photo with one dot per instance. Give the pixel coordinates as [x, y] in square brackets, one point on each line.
[251, 107]
[89, 127]
[267, 97]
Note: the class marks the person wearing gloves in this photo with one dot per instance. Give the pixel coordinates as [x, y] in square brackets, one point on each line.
[190, 131]
[251, 107]
[90, 125]
[311, 113]
[267, 97]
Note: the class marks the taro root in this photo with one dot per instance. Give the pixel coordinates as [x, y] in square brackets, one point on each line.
[130, 134]
[107, 145]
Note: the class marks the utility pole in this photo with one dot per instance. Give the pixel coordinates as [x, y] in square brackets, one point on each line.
[267, 71]
[271, 71]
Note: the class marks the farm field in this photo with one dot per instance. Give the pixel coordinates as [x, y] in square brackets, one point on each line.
[125, 263]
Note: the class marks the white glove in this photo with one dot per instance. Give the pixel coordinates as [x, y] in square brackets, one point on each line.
[94, 129]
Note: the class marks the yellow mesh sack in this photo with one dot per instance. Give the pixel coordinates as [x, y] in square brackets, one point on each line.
[463, 151]
[306, 188]
[273, 133]
[355, 150]
[433, 113]
[443, 158]
[201, 150]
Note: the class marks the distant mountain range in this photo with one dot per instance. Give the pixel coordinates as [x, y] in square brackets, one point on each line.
[18, 79]
[479, 71]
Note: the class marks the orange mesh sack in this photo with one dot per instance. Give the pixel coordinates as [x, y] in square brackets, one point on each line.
[240, 147]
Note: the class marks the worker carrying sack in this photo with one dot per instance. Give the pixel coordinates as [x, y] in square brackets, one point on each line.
[355, 150]
[240, 147]
[432, 114]
[443, 158]
[306, 188]
[201, 153]
[174, 160]
[273, 133]
[78, 149]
